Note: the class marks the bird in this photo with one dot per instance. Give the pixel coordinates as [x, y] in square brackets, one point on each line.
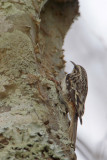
[74, 88]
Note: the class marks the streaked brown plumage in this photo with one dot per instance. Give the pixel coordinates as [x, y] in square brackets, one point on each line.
[74, 90]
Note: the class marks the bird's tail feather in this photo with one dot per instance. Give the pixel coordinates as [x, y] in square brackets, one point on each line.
[73, 129]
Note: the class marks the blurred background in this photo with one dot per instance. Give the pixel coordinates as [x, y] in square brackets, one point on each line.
[86, 45]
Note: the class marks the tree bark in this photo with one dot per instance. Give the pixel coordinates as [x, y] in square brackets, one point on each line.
[33, 122]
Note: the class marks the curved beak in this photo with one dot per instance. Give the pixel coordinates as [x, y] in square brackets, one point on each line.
[73, 63]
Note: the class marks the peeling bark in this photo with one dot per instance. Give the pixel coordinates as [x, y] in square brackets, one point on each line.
[33, 122]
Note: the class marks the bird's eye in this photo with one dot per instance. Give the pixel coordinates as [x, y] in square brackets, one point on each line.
[76, 68]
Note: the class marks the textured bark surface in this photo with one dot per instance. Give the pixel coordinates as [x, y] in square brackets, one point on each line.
[33, 122]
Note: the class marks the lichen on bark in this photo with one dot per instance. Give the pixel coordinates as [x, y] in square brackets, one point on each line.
[33, 122]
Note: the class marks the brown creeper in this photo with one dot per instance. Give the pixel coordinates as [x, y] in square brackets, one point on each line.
[74, 91]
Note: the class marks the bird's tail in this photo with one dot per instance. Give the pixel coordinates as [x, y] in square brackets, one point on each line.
[73, 129]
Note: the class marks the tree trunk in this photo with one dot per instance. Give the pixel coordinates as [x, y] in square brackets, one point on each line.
[33, 122]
